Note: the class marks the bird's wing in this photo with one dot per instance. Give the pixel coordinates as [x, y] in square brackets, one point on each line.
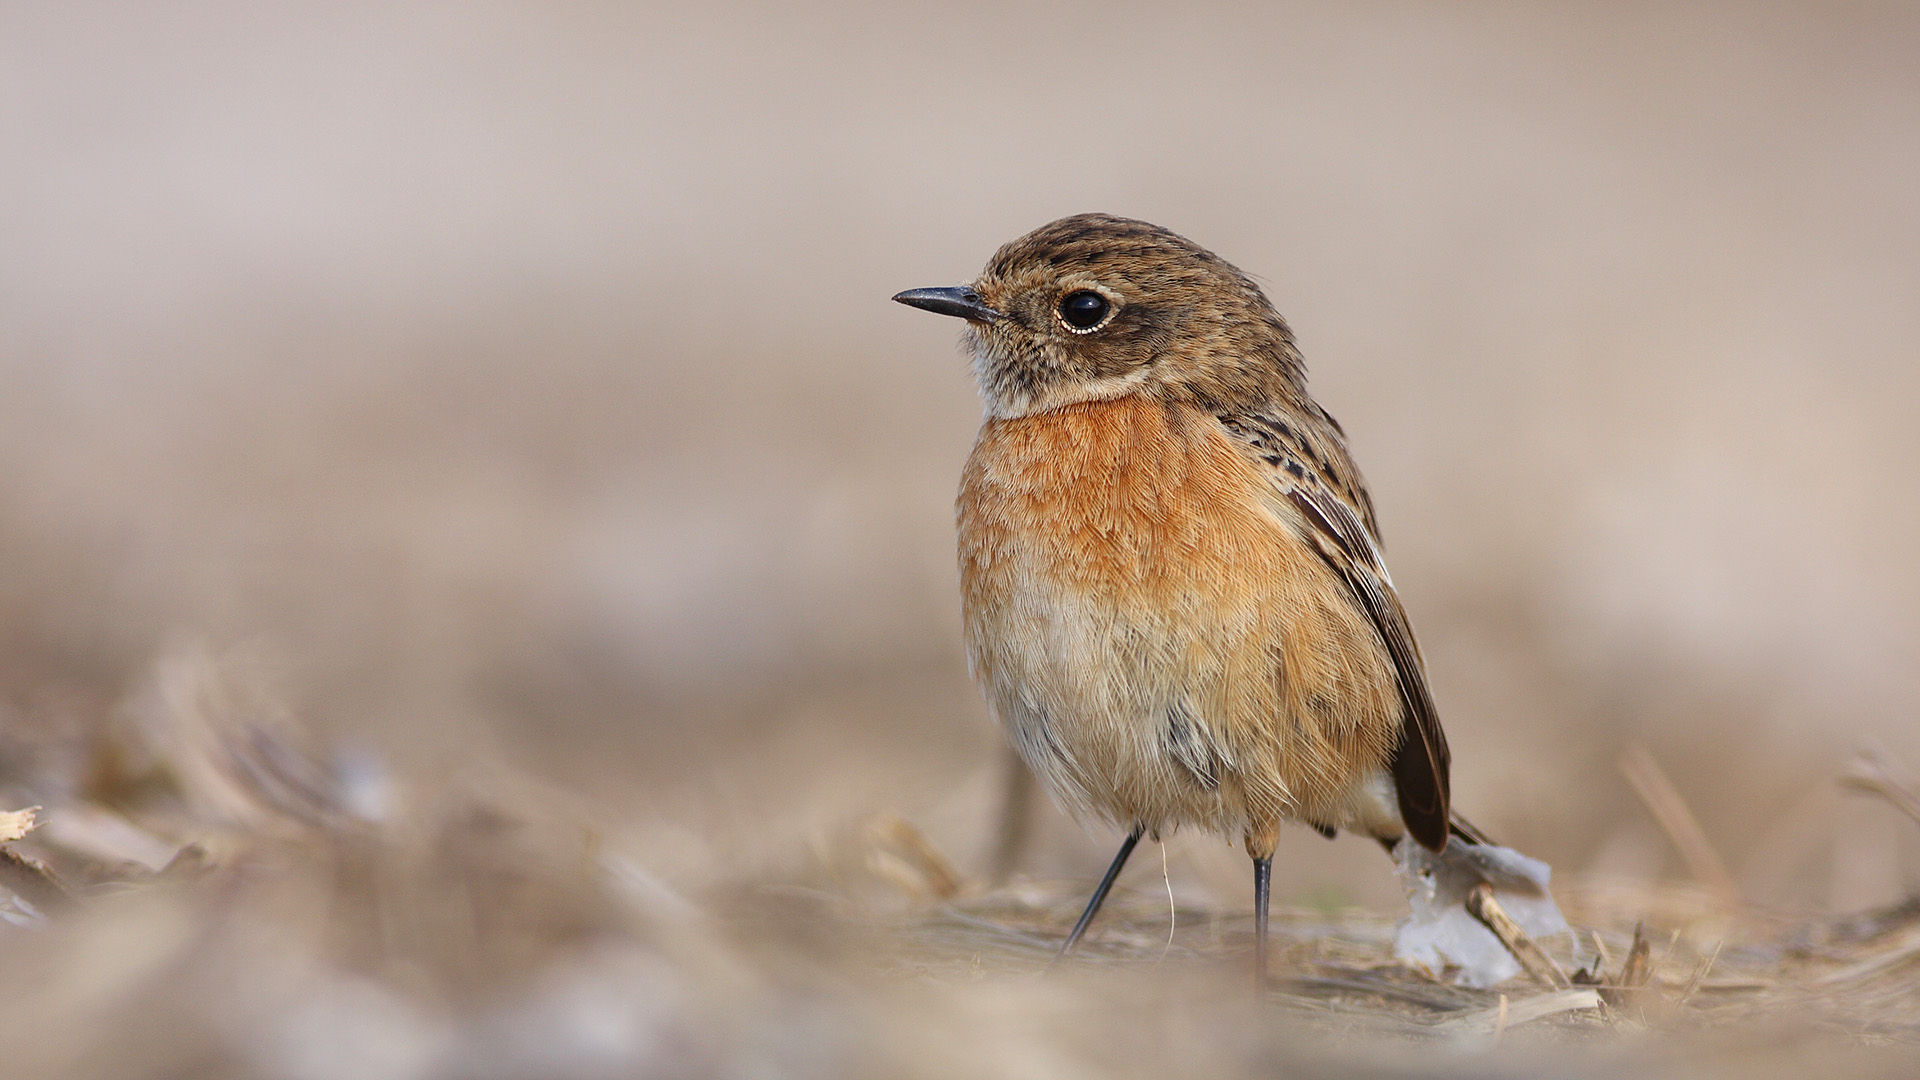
[1310, 472]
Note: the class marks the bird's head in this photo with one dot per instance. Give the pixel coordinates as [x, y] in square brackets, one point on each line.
[1094, 307]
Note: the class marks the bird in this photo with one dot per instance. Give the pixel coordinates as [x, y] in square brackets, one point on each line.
[1173, 593]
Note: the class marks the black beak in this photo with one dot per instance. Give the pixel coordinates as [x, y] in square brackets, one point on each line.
[959, 301]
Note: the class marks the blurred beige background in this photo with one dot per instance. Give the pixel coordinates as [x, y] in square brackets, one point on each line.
[516, 385]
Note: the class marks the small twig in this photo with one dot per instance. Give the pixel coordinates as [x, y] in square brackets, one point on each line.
[1173, 913]
[1676, 819]
[1877, 772]
[1482, 906]
[912, 859]
[15, 824]
[1700, 974]
[1500, 1021]
[1523, 1011]
[1634, 974]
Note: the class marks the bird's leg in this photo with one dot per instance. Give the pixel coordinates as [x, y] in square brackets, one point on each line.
[1261, 841]
[1262, 890]
[1100, 893]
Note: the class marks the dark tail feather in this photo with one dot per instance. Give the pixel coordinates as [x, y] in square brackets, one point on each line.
[1457, 827]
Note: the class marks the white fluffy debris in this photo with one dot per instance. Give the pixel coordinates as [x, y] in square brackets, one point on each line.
[1440, 932]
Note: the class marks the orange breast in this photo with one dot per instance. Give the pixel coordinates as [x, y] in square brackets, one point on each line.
[1145, 503]
[1159, 642]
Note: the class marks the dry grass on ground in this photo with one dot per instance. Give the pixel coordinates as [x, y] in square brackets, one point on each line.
[213, 901]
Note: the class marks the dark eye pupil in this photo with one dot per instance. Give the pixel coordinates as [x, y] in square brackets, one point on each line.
[1083, 310]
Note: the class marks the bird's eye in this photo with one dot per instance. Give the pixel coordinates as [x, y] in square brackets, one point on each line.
[1083, 310]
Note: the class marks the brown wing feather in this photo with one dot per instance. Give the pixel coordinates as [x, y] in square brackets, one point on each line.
[1318, 478]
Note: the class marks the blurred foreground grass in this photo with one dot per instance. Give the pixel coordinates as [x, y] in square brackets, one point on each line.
[206, 894]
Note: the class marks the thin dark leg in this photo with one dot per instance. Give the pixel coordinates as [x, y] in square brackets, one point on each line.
[1262, 891]
[1100, 894]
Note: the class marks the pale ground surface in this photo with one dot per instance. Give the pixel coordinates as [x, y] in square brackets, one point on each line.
[505, 399]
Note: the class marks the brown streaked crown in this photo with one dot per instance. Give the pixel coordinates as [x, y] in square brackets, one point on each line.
[1179, 322]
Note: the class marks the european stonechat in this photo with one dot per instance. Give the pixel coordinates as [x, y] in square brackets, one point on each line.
[1174, 596]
